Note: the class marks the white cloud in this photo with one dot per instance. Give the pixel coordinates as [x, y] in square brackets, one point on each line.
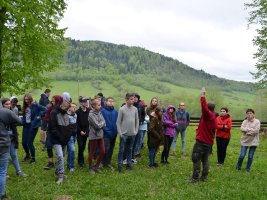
[210, 34]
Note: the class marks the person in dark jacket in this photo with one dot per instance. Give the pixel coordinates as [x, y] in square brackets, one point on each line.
[61, 131]
[82, 128]
[155, 135]
[31, 120]
[110, 131]
[44, 101]
[204, 139]
[7, 118]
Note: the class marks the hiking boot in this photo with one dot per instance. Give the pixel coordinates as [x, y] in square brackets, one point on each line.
[60, 180]
[166, 162]
[27, 157]
[22, 174]
[50, 165]
[203, 178]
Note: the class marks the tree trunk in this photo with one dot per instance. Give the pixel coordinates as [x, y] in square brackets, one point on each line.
[2, 24]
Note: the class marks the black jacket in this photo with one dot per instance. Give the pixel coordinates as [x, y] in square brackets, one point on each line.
[82, 121]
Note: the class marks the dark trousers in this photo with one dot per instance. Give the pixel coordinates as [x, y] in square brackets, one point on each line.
[200, 154]
[109, 147]
[81, 140]
[48, 144]
[167, 145]
[28, 136]
[96, 144]
[222, 144]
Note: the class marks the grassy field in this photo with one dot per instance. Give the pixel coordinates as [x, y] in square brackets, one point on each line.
[237, 102]
[165, 182]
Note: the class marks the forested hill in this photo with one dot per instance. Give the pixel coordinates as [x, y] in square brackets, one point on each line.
[92, 60]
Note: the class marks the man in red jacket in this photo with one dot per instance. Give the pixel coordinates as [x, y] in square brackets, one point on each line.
[204, 139]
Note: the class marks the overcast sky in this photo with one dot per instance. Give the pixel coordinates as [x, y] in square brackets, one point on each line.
[205, 34]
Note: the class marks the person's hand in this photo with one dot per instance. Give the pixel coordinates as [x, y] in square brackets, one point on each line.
[203, 91]
[82, 133]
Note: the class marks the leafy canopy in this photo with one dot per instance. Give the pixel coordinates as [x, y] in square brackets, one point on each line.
[31, 42]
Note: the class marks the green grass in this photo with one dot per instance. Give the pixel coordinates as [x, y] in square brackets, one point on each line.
[165, 182]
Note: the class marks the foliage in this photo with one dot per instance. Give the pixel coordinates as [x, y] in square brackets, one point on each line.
[30, 42]
[165, 182]
[258, 15]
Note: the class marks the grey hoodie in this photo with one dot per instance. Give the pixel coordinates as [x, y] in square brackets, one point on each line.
[96, 124]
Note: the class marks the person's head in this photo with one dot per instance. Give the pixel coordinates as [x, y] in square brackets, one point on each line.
[250, 114]
[72, 108]
[158, 111]
[181, 106]
[100, 94]
[14, 101]
[153, 102]
[27, 101]
[224, 111]
[109, 102]
[136, 97]
[83, 101]
[6, 103]
[129, 98]
[56, 100]
[211, 106]
[66, 101]
[47, 92]
[96, 104]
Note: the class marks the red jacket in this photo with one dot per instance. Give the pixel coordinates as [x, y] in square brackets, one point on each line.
[207, 124]
[222, 131]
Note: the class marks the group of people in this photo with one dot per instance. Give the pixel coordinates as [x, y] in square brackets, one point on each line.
[62, 124]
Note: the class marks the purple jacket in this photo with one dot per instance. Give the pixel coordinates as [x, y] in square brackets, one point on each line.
[169, 124]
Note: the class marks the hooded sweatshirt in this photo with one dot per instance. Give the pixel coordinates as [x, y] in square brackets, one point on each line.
[96, 124]
[223, 126]
[110, 115]
[169, 123]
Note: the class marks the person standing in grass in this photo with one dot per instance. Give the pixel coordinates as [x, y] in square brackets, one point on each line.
[127, 125]
[110, 115]
[204, 139]
[71, 142]
[223, 135]
[61, 130]
[31, 120]
[250, 139]
[170, 123]
[183, 120]
[96, 136]
[82, 128]
[153, 104]
[155, 135]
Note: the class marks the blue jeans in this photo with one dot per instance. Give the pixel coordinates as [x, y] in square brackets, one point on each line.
[109, 147]
[126, 142]
[28, 136]
[177, 131]
[71, 152]
[152, 156]
[4, 157]
[138, 142]
[13, 155]
[242, 155]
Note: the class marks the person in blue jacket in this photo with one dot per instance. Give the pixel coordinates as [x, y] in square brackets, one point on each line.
[110, 131]
[31, 121]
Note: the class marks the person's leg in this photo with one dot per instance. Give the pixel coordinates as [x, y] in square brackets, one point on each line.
[241, 157]
[224, 149]
[31, 143]
[25, 136]
[163, 155]
[170, 139]
[151, 156]
[101, 148]
[251, 152]
[139, 142]
[121, 151]
[183, 135]
[107, 142]
[71, 153]
[60, 160]
[196, 159]
[14, 157]
[176, 133]
[219, 149]
[93, 145]
[111, 149]
[129, 146]
[135, 143]
[205, 161]
[49, 147]
[4, 157]
[81, 147]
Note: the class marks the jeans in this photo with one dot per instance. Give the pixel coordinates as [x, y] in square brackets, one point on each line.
[177, 131]
[243, 152]
[13, 155]
[81, 140]
[200, 154]
[49, 145]
[60, 151]
[152, 155]
[28, 136]
[109, 147]
[71, 152]
[138, 142]
[222, 144]
[4, 157]
[167, 146]
[126, 142]
[94, 145]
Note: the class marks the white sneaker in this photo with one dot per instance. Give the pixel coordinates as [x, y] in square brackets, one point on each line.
[72, 170]
[124, 162]
[134, 161]
[60, 180]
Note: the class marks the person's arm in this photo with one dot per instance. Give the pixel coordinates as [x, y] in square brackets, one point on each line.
[53, 125]
[228, 125]
[152, 131]
[187, 118]
[118, 123]
[93, 121]
[42, 110]
[255, 129]
[136, 121]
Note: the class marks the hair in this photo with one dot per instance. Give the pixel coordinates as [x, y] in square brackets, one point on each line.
[4, 100]
[47, 91]
[129, 95]
[100, 94]
[250, 110]
[157, 110]
[25, 106]
[211, 106]
[109, 98]
[224, 108]
[58, 101]
[151, 106]
[15, 100]
[94, 102]
[173, 114]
